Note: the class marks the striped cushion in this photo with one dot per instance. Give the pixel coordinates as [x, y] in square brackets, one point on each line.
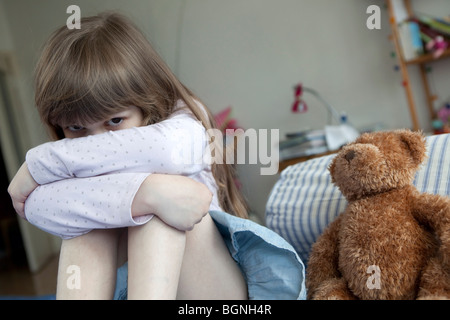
[304, 201]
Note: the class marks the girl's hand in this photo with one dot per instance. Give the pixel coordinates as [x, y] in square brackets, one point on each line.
[177, 200]
[20, 188]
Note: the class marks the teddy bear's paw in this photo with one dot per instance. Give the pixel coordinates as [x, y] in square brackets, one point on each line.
[336, 297]
[433, 297]
[333, 289]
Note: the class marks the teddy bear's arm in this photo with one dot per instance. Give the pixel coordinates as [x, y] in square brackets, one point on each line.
[433, 211]
[323, 279]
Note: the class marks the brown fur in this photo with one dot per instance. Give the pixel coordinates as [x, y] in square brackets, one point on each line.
[387, 224]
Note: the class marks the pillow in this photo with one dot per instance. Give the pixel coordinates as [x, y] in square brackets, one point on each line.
[304, 201]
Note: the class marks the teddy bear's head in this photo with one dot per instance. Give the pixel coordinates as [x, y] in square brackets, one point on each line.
[378, 162]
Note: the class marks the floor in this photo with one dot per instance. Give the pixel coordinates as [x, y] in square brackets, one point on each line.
[17, 280]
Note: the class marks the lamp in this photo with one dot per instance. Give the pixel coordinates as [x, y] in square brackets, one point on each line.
[336, 135]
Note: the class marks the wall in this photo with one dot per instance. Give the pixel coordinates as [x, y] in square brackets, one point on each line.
[39, 245]
[5, 34]
[249, 54]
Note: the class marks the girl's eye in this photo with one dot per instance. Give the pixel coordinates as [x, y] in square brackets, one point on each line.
[75, 128]
[115, 122]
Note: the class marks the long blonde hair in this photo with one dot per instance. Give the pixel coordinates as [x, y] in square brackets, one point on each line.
[90, 73]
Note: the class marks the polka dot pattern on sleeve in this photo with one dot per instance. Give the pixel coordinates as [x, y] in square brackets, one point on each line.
[70, 208]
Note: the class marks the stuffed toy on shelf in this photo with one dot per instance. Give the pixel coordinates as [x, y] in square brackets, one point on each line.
[442, 123]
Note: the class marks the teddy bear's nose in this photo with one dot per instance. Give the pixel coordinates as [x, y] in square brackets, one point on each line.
[350, 155]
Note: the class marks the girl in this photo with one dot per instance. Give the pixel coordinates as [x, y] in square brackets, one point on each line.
[105, 77]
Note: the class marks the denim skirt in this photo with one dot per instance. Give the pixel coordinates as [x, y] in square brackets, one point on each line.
[270, 265]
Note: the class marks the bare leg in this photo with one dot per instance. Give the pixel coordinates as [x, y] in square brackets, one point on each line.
[155, 256]
[88, 266]
[164, 263]
[208, 270]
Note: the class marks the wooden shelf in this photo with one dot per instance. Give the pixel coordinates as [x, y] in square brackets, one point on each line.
[426, 58]
[420, 61]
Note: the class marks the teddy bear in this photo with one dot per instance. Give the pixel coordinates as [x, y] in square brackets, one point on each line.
[391, 241]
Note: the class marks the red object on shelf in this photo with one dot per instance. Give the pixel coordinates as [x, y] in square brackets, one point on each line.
[299, 106]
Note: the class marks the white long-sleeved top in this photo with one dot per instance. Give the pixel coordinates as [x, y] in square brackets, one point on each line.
[90, 183]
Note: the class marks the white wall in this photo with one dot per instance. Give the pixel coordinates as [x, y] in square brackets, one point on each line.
[250, 53]
[5, 34]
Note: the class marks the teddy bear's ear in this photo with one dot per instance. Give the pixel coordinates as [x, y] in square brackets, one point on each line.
[415, 143]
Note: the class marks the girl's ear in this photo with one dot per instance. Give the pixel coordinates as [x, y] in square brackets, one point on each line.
[415, 143]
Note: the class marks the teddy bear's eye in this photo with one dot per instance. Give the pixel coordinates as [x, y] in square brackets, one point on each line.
[350, 155]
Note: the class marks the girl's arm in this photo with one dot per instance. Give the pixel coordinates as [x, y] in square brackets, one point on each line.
[20, 188]
[174, 146]
[73, 207]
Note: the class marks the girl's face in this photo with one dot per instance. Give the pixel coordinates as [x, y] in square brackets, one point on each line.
[132, 117]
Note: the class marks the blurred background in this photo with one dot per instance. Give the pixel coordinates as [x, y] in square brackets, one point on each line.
[244, 54]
